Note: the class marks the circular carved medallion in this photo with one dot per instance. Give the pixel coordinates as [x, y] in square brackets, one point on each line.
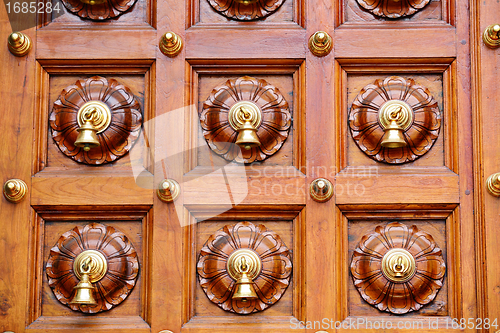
[118, 125]
[268, 258]
[245, 10]
[98, 10]
[274, 119]
[421, 120]
[398, 269]
[105, 243]
[393, 8]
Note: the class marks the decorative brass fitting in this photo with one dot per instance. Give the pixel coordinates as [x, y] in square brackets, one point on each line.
[93, 2]
[320, 44]
[170, 44]
[93, 117]
[245, 118]
[398, 265]
[493, 184]
[395, 117]
[19, 44]
[168, 190]
[90, 266]
[247, 2]
[491, 36]
[244, 265]
[321, 190]
[14, 190]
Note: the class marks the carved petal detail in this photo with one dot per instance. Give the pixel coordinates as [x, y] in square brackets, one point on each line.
[385, 295]
[240, 11]
[367, 131]
[116, 140]
[123, 266]
[391, 8]
[272, 133]
[269, 285]
[98, 12]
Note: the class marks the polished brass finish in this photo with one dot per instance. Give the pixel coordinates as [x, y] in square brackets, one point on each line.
[320, 44]
[398, 265]
[87, 138]
[93, 117]
[89, 266]
[93, 2]
[493, 184]
[321, 190]
[395, 117]
[491, 36]
[245, 117]
[170, 44]
[14, 190]
[244, 265]
[168, 190]
[19, 44]
[246, 2]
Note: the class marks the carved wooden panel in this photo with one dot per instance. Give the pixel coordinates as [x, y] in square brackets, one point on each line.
[272, 132]
[245, 10]
[393, 8]
[270, 284]
[122, 263]
[409, 292]
[120, 135]
[100, 10]
[367, 131]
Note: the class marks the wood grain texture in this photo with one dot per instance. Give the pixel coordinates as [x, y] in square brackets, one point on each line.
[120, 255]
[102, 11]
[393, 9]
[242, 11]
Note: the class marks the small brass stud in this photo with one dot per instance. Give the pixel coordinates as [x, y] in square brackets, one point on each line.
[170, 44]
[491, 36]
[19, 44]
[493, 184]
[168, 190]
[321, 190]
[14, 190]
[320, 44]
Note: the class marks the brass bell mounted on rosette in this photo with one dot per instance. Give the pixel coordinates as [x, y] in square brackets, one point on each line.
[244, 265]
[90, 267]
[245, 117]
[395, 117]
[93, 118]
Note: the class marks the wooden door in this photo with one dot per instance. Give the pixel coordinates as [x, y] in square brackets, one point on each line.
[426, 50]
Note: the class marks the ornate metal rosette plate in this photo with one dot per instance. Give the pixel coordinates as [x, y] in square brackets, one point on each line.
[245, 10]
[398, 269]
[270, 279]
[393, 8]
[107, 244]
[367, 130]
[117, 130]
[274, 125]
[98, 10]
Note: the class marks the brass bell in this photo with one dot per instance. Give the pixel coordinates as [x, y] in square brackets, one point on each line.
[244, 288]
[87, 137]
[84, 291]
[247, 137]
[393, 137]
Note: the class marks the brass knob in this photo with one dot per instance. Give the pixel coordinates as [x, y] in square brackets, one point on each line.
[491, 36]
[19, 44]
[321, 190]
[245, 117]
[493, 184]
[168, 190]
[398, 265]
[320, 44]
[14, 190]
[395, 117]
[170, 44]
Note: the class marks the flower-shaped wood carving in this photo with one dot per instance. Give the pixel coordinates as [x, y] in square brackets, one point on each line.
[272, 132]
[398, 269]
[122, 266]
[367, 130]
[246, 10]
[98, 10]
[270, 284]
[116, 140]
[393, 8]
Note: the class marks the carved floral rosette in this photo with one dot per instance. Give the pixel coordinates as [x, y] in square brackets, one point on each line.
[122, 264]
[367, 131]
[269, 285]
[241, 11]
[272, 133]
[116, 140]
[398, 297]
[98, 12]
[392, 8]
